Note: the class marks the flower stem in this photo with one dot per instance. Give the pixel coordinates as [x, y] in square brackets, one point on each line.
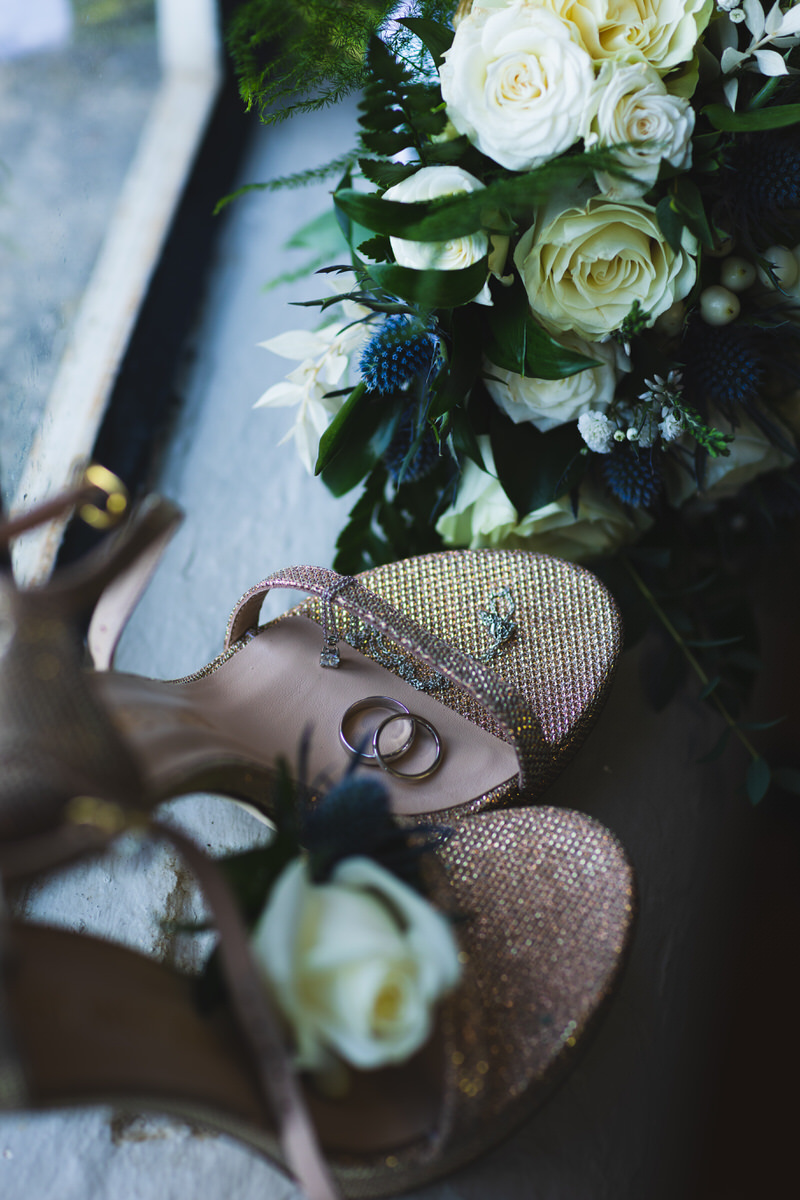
[691, 658]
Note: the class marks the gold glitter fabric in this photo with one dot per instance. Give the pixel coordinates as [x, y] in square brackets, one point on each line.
[546, 901]
[543, 687]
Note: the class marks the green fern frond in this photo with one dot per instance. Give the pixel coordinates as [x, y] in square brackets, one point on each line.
[336, 168]
[305, 55]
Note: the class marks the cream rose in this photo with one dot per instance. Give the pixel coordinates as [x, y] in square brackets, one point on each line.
[584, 269]
[430, 183]
[547, 403]
[517, 84]
[634, 106]
[663, 33]
[751, 454]
[484, 516]
[356, 965]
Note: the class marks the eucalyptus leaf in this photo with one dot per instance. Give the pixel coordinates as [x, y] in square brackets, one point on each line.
[670, 222]
[757, 780]
[777, 117]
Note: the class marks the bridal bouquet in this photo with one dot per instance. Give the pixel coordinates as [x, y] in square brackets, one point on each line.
[569, 315]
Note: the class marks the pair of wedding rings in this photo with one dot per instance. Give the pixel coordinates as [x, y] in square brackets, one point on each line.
[380, 745]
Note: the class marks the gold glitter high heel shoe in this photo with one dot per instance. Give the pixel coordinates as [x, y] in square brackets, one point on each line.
[508, 656]
[546, 909]
[503, 657]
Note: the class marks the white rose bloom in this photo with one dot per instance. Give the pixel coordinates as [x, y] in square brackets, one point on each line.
[584, 269]
[751, 454]
[430, 183]
[356, 964]
[517, 84]
[484, 516]
[547, 403]
[634, 106]
[325, 357]
[663, 33]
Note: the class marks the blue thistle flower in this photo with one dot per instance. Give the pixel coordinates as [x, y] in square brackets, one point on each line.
[767, 170]
[633, 476]
[396, 354]
[723, 366]
[425, 459]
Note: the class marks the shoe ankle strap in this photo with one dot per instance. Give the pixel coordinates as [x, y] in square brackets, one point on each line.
[499, 697]
[251, 1005]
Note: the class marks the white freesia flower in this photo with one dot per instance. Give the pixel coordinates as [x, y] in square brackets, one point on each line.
[751, 454]
[547, 403]
[663, 33]
[356, 964]
[517, 84]
[585, 268]
[634, 106]
[484, 516]
[324, 360]
[430, 183]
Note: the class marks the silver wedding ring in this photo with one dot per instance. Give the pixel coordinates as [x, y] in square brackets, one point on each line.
[384, 759]
[398, 711]
[386, 750]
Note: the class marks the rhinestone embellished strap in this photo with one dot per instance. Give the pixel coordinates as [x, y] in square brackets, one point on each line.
[511, 710]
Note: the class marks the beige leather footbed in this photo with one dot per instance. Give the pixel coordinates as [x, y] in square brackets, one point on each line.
[256, 705]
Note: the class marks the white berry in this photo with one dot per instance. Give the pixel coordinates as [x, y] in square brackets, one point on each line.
[784, 267]
[670, 323]
[718, 306]
[737, 274]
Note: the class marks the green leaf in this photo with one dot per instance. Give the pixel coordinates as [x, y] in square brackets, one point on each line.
[453, 150]
[777, 117]
[690, 203]
[379, 142]
[517, 343]
[453, 384]
[375, 248]
[413, 220]
[344, 421]
[710, 687]
[757, 780]
[535, 468]
[670, 222]
[435, 38]
[386, 174]
[756, 725]
[432, 289]
[787, 778]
